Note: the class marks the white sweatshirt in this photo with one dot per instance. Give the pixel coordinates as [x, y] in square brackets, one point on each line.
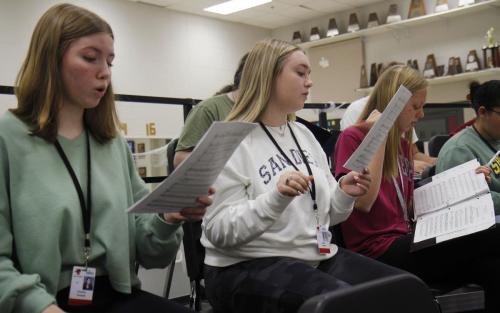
[250, 219]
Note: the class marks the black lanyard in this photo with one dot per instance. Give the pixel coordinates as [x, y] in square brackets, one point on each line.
[313, 185]
[86, 207]
[485, 141]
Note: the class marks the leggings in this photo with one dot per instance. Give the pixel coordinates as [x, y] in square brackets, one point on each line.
[280, 284]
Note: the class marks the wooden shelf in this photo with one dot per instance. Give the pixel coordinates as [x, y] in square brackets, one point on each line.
[453, 78]
[477, 7]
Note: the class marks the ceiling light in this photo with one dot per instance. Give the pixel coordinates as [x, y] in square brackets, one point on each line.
[232, 6]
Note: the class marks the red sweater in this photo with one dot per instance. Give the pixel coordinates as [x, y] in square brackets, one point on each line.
[372, 233]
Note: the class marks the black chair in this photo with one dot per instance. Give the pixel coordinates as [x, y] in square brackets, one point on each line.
[321, 134]
[435, 144]
[394, 294]
[329, 147]
[170, 167]
[194, 252]
[425, 177]
[170, 155]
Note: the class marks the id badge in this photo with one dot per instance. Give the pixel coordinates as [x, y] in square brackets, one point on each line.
[82, 285]
[495, 165]
[323, 236]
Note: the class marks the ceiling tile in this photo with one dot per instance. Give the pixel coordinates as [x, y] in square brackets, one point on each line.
[356, 3]
[162, 3]
[324, 6]
[300, 13]
[277, 13]
[187, 6]
[291, 2]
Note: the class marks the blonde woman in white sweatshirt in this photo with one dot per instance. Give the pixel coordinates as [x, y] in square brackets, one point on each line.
[266, 235]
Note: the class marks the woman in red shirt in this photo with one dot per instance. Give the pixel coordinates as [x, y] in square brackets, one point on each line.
[380, 225]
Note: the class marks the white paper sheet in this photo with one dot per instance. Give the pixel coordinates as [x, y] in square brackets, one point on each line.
[364, 153]
[449, 187]
[198, 172]
[462, 219]
[456, 203]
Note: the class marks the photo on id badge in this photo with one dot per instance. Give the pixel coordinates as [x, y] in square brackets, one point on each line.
[82, 285]
[88, 283]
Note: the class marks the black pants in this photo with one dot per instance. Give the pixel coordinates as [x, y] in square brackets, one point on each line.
[107, 300]
[470, 259]
[279, 284]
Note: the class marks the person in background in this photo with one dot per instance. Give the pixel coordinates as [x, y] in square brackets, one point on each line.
[67, 177]
[481, 140]
[380, 226]
[205, 113]
[351, 116]
[266, 235]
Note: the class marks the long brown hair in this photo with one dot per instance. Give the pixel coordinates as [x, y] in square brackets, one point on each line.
[39, 87]
[385, 88]
[264, 62]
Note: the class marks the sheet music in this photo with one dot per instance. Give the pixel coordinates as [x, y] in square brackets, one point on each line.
[462, 219]
[449, 187]
[198, 172]
[364, 153]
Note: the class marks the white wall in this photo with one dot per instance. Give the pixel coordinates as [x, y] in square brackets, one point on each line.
[158, 52]
[444, 38]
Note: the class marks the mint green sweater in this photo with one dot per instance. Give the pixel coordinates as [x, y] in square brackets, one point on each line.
[40, 217]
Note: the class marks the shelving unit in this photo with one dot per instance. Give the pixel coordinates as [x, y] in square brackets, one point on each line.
[453, 78]
[452, 13]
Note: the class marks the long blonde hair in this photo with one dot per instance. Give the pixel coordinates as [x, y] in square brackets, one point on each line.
[264, 63]
[384, 90]
[39, 87]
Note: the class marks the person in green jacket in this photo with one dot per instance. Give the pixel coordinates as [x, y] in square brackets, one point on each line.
[481, 140]
[66, 179]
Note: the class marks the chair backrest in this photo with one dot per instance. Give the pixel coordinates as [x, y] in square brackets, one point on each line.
[435, 144]
[329, 148]
[394, 294]
[425, 177]
[170, 155]
[337, 237]
[193, 250]
[321, 134]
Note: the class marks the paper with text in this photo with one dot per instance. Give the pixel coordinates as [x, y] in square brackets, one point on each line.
[449, 187]
[364, 153]
[464, 218]
[198, 172]
[457, 202]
